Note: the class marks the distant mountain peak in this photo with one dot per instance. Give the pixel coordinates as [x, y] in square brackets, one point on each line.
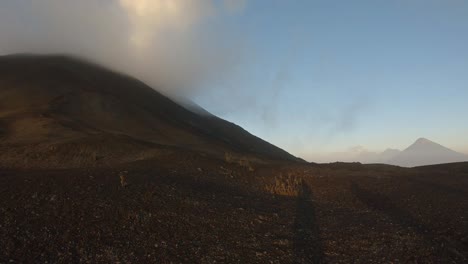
[425, 152]
[424, 141]
[425, 144]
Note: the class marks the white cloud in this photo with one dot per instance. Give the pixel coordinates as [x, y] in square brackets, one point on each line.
[150, 18]
[163, 42]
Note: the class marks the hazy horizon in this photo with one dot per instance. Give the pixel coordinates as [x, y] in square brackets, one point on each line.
[320, 79]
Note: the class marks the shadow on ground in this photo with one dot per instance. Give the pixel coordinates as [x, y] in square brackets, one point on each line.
[307, 243]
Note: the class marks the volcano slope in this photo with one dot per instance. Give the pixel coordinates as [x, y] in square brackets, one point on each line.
[59, 111]
[100, 175]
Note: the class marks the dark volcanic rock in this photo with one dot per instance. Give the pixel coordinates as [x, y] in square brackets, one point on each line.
[57, 111]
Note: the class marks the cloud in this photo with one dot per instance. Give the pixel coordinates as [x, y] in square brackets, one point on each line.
[150, 18]
[166, 43]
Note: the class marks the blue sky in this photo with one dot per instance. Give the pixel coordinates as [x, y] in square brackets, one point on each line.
[323, 76]
[313, 77]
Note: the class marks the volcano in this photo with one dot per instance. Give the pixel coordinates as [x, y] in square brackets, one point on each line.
[59, 111]
[426, 152]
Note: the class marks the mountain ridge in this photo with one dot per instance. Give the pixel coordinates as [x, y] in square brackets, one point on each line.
[48, 101]
[420, 153]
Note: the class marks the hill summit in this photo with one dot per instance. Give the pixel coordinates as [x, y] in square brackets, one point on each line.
[59, 111]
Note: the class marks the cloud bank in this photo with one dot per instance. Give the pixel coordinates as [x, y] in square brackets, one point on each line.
[167, 43]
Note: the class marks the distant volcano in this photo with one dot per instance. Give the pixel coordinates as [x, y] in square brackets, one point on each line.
[425, 152]
[421, 152]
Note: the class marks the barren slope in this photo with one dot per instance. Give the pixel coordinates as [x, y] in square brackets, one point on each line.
[50, 103]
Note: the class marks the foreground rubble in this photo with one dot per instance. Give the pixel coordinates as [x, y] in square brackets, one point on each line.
[215, 212]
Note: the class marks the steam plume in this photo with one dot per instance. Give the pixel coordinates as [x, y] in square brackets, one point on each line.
[166, 43]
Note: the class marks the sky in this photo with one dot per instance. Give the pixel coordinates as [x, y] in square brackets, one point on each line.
[316, 78]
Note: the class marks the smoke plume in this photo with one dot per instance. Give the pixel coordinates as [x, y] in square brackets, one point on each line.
[167, 43]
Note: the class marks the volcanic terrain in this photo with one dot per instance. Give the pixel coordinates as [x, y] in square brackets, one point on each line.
[97, 167]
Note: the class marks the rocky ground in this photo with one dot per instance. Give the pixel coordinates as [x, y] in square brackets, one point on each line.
[192, 209]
